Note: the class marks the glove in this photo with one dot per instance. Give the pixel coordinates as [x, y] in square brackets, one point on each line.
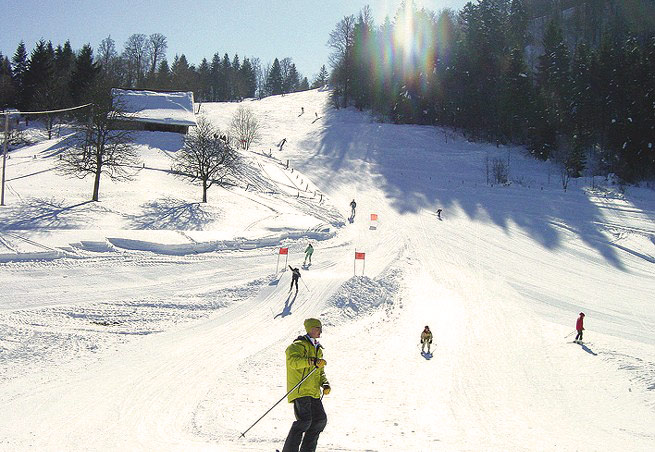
[326, 389]
[320, 363]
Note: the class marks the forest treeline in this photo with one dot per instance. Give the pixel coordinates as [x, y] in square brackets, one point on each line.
[51, 76]
[571, 80]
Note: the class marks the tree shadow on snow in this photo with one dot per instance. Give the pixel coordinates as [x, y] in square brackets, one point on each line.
[417, 168]
[287, 305]
[41, 213]
[170, 213]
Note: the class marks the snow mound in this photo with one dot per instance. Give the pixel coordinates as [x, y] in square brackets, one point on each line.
[361, 295]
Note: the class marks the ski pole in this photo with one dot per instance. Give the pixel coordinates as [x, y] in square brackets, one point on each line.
[570, 334]
[303, 283]
[276, 403]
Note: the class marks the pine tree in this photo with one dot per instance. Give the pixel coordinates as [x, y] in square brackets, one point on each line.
[516, 99]
[7, 88]
[248, 78]
[274, 80]
[215, 73]
[554, 80]
[40, 74]
[163, 79]
[19, 69]
[321, 79]
[204, 78]
[85, 71]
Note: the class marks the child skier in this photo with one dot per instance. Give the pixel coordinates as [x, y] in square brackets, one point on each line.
[426, 339]
[579, 327]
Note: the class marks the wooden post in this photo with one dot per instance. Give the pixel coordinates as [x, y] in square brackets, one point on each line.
[4, 158]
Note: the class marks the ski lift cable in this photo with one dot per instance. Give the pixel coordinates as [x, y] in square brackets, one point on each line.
[44, 112]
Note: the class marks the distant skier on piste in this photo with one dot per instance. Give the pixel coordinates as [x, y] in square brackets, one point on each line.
[426, 339]
[308, 254]
[353, 204]
[295, 275]
[579, 327]
[305, 360]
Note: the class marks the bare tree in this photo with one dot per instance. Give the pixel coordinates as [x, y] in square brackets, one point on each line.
[107, 53]
[136, 57]
[341, 42]
[157, 46]
[245, 127]
[206, 157]
[98, 147]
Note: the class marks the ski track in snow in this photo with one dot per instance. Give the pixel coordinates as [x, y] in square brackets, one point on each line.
[151, 322]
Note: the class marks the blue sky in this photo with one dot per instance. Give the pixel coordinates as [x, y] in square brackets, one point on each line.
[198, 28]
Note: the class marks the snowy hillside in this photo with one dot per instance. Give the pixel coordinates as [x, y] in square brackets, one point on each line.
[150, 321]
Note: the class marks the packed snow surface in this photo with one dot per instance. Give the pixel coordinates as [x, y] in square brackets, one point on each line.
[151, 321]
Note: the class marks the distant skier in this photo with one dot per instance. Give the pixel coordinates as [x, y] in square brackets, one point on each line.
[308, 254]
[295, 276]
[284, 140]
[579, 327]
[439, 213]
[302, 110]
[426, 339]
[305, 355]
[353, 204]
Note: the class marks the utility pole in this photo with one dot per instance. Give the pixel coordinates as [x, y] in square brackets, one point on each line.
[4, 158]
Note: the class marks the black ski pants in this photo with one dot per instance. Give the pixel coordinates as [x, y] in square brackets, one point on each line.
[310, 421]
[579, 336]
[294, 281]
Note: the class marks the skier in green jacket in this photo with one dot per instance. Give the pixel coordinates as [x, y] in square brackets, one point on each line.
[304, 355]
[308, 254]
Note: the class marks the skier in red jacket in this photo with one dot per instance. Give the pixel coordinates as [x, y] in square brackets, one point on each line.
[579, 327]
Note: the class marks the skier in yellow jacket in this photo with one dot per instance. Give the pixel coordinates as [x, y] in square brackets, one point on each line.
[304, 355]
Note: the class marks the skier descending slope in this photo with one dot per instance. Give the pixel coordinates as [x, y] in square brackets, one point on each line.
[426, 339]
[294, 277]
[304, 357]
[308, 254]
[579, 327]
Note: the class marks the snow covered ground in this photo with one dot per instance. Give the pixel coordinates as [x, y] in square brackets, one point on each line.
[150, 321]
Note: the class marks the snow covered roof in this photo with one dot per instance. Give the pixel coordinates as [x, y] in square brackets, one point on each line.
[157, 107]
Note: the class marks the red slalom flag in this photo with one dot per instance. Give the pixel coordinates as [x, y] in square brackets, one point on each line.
[374, 217]
[284, 250]
[359, 255]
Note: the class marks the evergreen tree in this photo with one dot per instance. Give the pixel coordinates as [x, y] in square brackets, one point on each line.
[163, 76]
[7, 88]
[215, 70]
[583, 109]
[204, 77]
[274, 80]
[516, 99]
[19, 70]
[83, 76]
[321, 79]
[223, 93]
[518, 36]
[181, 74]
[40, 75]
[249, 78]
[554, 80]
[304, 84]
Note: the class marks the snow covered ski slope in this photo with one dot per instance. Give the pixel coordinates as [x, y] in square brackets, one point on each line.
[149, 321]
